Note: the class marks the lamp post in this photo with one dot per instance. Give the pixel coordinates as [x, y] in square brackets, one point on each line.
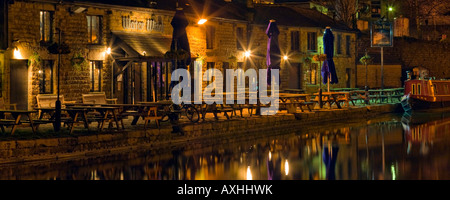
[58, 102]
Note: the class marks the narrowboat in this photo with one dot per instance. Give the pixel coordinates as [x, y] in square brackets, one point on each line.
[426, 94]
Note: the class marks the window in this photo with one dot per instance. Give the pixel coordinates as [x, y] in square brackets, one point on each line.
[94, 29]
[46, 77]
[413, 90]
[312, 41]
[210, 32]
[311, 74]
[95, 74]
[339, 44]
[210, 65]
[418, 89]
[239, 38]
[347, 45]
[45, 27]
[295, 41]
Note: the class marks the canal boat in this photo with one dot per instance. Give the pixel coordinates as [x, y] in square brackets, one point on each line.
[426, 94]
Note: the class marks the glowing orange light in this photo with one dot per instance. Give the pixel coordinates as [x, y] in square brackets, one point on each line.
[202, 21]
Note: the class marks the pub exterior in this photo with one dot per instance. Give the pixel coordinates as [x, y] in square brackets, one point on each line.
[119, 48]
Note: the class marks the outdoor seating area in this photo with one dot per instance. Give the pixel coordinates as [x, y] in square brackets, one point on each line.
[108, 114]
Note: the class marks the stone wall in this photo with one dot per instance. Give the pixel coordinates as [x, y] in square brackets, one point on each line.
[392, 76]
[410, 53]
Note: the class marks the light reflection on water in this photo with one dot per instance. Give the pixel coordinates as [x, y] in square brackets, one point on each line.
[389, 147]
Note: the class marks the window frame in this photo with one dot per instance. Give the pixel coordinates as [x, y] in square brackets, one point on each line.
[312, 42]
[42, 32]
[210, 37]
[239, 38]
[92, 66]
[89, 28]
[42, 77]
[295, 40]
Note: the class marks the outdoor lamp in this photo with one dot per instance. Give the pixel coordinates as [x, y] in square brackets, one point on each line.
[17, 54]
[108, 50]
[390, 9]
[202, 21]
[285, 57]
[247, 53]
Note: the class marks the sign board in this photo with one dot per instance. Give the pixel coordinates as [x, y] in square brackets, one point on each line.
[153, 24]
[381, 34]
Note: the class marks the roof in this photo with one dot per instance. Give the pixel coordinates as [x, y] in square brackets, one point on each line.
[134, 43]
[296, 16]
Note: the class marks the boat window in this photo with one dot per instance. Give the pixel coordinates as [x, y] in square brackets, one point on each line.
[435, 89]
[413, 90]
[418, 88]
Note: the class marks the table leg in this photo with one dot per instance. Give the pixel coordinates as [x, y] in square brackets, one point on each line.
[73, 122]
[31, 123]
[16, 122]
[115, 119]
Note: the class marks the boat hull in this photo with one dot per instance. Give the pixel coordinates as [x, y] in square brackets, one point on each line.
[419, 104]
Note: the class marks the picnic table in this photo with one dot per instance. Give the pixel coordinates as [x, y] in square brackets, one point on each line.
[335, 97]
[101, 114]
[385, 94]
[16, 115]
[291, 101]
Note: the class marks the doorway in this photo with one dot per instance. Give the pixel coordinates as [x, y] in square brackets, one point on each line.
[295, 78]
[19, 83]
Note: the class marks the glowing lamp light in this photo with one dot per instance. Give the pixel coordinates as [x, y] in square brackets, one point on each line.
[17, 54]
[40, 71]
[285, 57]
[202, 21]
[108, 50]
[247, 54]
[249, 174]
[390, 9]
[286, 167]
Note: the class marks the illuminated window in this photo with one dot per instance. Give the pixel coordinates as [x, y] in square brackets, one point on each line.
[95, 74]
[45, 27]
[94, 25]
[46, 77]
[210, 36]
[295, 40]
[311, 74]
[312, 41]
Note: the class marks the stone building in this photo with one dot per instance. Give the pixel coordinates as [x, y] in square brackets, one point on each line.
[118, 47]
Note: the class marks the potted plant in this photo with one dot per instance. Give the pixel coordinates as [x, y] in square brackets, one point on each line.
[365, 60]
[78, 61]
[320, 57]
[34, 59]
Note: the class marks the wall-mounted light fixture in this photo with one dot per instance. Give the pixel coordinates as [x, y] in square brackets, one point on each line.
[202, 21]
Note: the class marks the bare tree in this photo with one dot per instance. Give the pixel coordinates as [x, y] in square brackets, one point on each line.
[422, 10]
[342, 10]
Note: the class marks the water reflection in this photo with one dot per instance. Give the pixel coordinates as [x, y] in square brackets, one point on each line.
[389, 147]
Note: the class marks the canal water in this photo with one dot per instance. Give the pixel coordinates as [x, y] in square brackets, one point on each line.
[388, 147]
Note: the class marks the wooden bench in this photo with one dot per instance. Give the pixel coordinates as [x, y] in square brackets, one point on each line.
[97, 98]
[7, 106]
[49, 100]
